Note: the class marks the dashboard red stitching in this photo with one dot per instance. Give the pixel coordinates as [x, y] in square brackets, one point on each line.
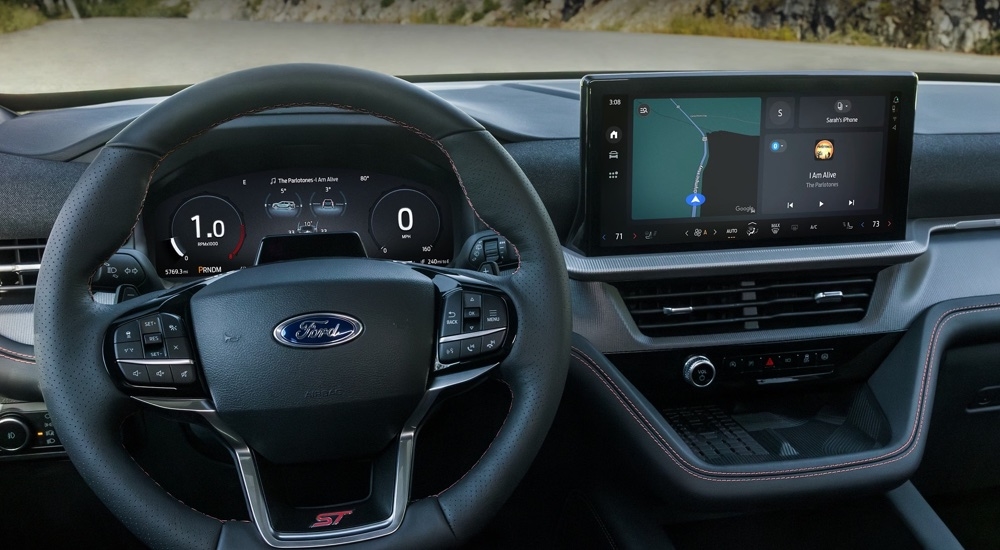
[916, 429]
[418, 132]
[600, 523]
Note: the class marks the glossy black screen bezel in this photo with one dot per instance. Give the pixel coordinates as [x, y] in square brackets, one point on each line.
[596, 88]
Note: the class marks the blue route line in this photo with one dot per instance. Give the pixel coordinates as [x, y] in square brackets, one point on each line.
[704, 156]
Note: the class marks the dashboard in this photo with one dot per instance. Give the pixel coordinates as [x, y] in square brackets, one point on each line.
[304, 182]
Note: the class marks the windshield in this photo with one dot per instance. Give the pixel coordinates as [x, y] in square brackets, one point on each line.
[70, 45]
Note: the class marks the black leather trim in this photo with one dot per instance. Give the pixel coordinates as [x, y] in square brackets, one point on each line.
[19, 379]
[18, 373]
[903, 386]
[536, 367]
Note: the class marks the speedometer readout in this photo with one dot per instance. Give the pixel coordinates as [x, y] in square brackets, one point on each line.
[217, 227]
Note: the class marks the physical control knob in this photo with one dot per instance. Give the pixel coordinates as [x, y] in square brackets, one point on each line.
[14, 433]
[699, 371]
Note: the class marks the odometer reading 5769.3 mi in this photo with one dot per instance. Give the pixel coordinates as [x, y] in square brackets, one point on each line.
[207, 233]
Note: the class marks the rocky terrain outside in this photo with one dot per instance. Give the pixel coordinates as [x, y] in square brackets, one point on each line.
[943, 25]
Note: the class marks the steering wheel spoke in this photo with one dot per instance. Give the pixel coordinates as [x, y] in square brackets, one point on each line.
[381, 512]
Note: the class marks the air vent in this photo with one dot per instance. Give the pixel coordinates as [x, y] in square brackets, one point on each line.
[748, 302]
[19, 261]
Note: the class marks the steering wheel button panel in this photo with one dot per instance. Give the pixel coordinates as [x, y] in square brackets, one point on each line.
[484, 325]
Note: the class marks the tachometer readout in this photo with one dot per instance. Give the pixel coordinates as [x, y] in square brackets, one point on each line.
[207, 231]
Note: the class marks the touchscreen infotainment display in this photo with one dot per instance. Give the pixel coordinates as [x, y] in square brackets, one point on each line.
[693, 161]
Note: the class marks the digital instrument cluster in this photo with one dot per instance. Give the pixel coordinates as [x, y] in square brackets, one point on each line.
[219, 227]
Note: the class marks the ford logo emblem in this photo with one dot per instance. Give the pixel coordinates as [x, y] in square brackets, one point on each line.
[318, 330]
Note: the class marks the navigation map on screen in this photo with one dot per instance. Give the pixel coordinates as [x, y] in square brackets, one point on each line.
[695, 157]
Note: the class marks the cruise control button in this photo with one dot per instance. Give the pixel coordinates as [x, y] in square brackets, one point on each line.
[160, 374]
[172, 325]
[472, 347]
[178, 348]
[135, 374]
[183, 374]
[128, 350]
[451, 321]
[150, 324]
[152, 339]
[493, 342]
[449, 352]
[494, 313]
[129, 332]
[155, 352]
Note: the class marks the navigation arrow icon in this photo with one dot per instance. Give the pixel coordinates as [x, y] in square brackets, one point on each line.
[821, 203]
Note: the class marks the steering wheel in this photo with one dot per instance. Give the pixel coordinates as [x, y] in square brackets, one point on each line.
[262, 338]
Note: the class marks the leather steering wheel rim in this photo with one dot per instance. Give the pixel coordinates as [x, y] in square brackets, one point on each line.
[70, 326]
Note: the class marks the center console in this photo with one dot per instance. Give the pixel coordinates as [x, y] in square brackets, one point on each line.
[738, 237]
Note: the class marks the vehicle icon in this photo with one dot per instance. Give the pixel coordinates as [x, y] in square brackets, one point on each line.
[284, 205]
[328, 206]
